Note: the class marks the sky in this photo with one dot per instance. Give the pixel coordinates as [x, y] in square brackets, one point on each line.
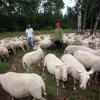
[69, 3]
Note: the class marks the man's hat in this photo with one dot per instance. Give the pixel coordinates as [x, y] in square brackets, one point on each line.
[57, 24]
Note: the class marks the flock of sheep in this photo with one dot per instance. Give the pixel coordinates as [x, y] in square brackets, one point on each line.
[82, 53]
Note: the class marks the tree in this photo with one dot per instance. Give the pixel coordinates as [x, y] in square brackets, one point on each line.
[85, 6]
[95, 6]
[79, 9]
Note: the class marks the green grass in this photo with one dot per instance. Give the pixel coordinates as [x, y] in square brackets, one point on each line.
[18, 34]
[3, 65]
[50, 85]
[11, 34]
[19, 51]
[69, 30]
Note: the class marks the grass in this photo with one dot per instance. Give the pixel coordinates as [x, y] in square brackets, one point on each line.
[11, 34]
[18, 34]
[3, 65]
[69, 31]
[50, 85]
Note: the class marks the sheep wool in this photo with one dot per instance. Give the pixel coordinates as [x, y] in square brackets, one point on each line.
[20, 85]
[33, 57]
[88, 59]
[76, 70]
[56, 67]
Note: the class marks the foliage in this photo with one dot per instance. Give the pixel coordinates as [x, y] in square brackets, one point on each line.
[43, 14]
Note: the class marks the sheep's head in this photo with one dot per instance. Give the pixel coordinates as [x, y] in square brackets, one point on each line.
[6, 53]
[84, 77]
[63, 71]
[91, 45]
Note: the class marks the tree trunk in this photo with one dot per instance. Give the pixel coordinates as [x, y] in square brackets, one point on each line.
[84, 20]
[79, 30]
[96, 23]
[91, 23]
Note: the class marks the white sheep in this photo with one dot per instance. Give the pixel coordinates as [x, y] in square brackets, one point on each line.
[9, 46]
[33, 57]
[25, 41]
[56, 67]
[72, 48]
[20, 85]
[76, 70]
[19, 44]
[4, 52]
[88, 59]
[46, 43]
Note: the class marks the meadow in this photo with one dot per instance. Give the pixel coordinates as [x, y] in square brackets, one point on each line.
[92, 92]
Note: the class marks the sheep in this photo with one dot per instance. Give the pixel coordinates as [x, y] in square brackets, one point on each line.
[56, 67]
[46, 43]
[19, 44]
[92, 45]
[72, 48]
[20, 85]
[25, 41]
[33, 57]
[76, 70]
[9, 46]
[88, 59]
[4, 52]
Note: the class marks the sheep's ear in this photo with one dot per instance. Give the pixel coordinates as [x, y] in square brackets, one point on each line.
[3, 53]
[91, 71]
[69, 67]
[79, 71]
[36, 43]
[58, 66]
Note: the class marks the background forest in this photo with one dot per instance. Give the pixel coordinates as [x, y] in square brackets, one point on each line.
[43, 14]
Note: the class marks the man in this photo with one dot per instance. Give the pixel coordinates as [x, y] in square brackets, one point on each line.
[58, 36]
[30, 35]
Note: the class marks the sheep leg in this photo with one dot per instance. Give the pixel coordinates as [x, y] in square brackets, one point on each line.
[33, 99]
[43, 70]
[96, 77]
[74, 87]
[13, 66]
[39, 64]
[23, 49]
[12, 98]
[24, 65]
[14, 51]
[63, 86]
[42, 98]
[42, 60]
[27, 69]
[4, 57]
[27, 47]
[57, 82]
[89, 82]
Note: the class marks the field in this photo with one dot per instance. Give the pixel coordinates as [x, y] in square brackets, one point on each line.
[92, 92]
